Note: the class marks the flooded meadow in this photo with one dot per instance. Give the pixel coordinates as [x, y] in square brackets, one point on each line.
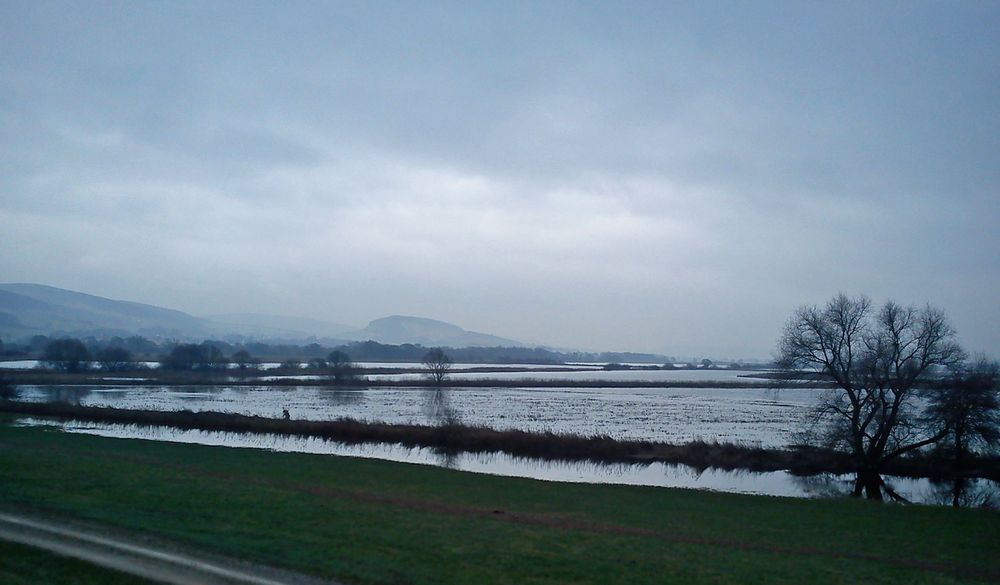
[753, 416]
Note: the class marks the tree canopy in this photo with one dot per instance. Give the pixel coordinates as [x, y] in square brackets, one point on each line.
[437, 363]
[66, 354]
[877, 358]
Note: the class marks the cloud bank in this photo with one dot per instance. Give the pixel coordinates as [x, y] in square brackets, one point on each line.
[644, 177]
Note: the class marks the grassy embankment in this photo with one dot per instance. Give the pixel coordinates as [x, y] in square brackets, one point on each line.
[370, 521]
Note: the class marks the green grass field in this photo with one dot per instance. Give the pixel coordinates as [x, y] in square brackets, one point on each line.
[23, 565]
[370, 521]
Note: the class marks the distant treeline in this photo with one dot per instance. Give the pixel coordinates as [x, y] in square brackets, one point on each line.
[374, 351]
[140, 348]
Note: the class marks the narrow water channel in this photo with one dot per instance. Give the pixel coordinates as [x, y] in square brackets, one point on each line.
[976, 492]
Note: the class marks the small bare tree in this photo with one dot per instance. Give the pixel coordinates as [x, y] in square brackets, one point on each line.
[66, 354]
[341, 366]
[437, 363]
[242, 359]
[114, 359]
[877, 359]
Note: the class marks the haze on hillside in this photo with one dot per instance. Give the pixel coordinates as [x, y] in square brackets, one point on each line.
[641, 176]
[28, 309]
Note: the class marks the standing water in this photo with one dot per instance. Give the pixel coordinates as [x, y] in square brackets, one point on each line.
[752, 416]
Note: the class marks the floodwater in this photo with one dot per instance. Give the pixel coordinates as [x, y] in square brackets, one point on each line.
[699, 376]
[976, 492]
[576, 372]
[751, 416]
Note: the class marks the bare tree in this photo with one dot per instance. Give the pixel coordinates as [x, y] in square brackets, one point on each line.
[242, 359]
[192, 356]
[291, 365]
[341, 366]
[877, 359]
[437, 363]
[67, 354]
[317, 364]
[968, 407]
[114, 359]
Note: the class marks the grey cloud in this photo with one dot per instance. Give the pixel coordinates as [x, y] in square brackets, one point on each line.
[644, 176]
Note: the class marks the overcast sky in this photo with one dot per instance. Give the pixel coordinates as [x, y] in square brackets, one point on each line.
[642, 176]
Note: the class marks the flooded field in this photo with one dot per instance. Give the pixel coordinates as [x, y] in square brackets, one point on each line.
[749, 416]
[593, 373]
[976, 492]
[769, 418]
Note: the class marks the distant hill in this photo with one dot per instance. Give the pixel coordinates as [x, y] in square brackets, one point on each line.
[399, 329]
[33, 309]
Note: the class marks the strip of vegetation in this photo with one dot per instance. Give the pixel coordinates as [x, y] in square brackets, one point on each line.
[371, 521]
[111, 350]
[801, 460]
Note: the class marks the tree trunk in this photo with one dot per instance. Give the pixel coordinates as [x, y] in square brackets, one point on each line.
[958, 489]
[869, 484]
[959, 447]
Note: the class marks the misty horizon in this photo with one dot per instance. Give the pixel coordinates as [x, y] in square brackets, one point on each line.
[675, 179]
[250, 327]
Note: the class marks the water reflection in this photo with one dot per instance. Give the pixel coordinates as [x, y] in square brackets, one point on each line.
[823, 485]
[342, 397]
[961, 492]
[438, 407]
[872, 487]
[439, 410]
[447, 459]
[967, 492]
[68, 394]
